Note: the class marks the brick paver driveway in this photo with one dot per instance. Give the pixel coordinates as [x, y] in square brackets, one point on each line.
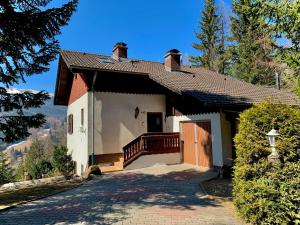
[157, 195]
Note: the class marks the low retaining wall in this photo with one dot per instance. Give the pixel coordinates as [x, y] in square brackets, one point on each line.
[31, 183]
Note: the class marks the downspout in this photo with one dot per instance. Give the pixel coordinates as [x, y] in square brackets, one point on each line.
[93, 126]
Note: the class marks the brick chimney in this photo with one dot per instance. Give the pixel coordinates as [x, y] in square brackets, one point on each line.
[120, 51]
[172, 60]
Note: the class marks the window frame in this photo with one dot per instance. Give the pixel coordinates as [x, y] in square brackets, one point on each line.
[70, 124]
[82, 117]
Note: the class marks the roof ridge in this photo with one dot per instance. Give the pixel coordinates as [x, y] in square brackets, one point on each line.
[108, 56]
[84, 53]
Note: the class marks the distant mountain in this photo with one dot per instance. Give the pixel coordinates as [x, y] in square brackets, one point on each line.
[49, 110]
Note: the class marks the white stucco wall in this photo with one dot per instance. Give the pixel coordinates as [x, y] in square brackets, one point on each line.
[115, 124]
[173, 125]
[78, 141]
[226, 140]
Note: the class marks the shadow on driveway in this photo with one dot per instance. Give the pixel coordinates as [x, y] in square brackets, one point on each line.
[127, 197]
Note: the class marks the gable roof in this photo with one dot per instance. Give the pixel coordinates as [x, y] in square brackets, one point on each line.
[204, 85]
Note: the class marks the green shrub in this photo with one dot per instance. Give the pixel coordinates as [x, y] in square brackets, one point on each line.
[266, 193]
[40, 168]
[45, 167]
[62, 161]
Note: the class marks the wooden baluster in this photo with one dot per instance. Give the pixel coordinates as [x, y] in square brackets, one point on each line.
[135, 148]
[129, 149]
[141, 144]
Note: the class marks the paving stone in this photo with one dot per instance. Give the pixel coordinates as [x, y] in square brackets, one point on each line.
[159, 195]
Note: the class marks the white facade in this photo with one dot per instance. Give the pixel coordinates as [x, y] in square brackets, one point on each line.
[115, 124]
[77, 142]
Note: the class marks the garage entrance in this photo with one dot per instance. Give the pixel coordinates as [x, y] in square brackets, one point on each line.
[197, 143]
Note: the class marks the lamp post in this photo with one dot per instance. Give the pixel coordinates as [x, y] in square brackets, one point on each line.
[273, 157]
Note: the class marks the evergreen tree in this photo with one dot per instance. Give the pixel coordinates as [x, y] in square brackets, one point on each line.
[6, 172]
[209, 38]
[283, 17]
[20, 171]
[28, 44]
[37, 161]
[222, 62]
[62, 161]
[252, 51]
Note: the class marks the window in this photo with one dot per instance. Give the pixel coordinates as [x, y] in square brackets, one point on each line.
[82, 117]
[70, 124]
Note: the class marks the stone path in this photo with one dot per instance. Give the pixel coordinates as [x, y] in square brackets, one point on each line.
[158, 195]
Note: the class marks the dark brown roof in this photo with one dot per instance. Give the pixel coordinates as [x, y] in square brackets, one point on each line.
[204, 85]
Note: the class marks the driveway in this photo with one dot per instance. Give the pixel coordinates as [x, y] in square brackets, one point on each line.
[159, 195]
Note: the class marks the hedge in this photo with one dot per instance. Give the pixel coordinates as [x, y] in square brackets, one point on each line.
[266, 193]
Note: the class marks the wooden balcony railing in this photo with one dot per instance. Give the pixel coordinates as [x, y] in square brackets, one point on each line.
[151, 143]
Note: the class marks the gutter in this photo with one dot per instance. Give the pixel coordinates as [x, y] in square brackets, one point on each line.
[93, 117]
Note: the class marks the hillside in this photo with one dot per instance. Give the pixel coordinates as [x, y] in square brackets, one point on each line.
[55, 115]
[50, 110]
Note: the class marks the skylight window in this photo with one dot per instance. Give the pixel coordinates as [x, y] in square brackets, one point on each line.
[102, 60]
[125, 60]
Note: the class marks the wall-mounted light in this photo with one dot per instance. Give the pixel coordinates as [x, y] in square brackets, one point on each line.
[136, 112]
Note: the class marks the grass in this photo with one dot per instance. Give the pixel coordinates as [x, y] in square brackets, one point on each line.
[13, 197]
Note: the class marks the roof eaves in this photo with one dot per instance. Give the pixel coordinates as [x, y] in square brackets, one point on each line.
[57, 79]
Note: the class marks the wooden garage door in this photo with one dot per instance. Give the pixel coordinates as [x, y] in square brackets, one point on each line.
[189, 143]
[197, 148]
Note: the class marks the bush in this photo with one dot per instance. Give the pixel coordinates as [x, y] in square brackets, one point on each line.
[45, 167]
[62, 161]
[266, 193]
[40, 168]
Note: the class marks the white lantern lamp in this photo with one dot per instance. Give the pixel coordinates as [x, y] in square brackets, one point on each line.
[273, 157]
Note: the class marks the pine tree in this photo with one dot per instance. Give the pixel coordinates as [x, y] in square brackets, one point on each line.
[28, 44]
[62, 161]
[222, 62]
[20, 171]
[6, 172]
[252, 51]
[283, 17]
[209, 38]
[36, 158]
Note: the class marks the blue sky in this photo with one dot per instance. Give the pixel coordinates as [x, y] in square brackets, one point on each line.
[150, 28]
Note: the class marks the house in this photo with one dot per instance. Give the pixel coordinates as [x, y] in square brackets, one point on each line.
[128, 113]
